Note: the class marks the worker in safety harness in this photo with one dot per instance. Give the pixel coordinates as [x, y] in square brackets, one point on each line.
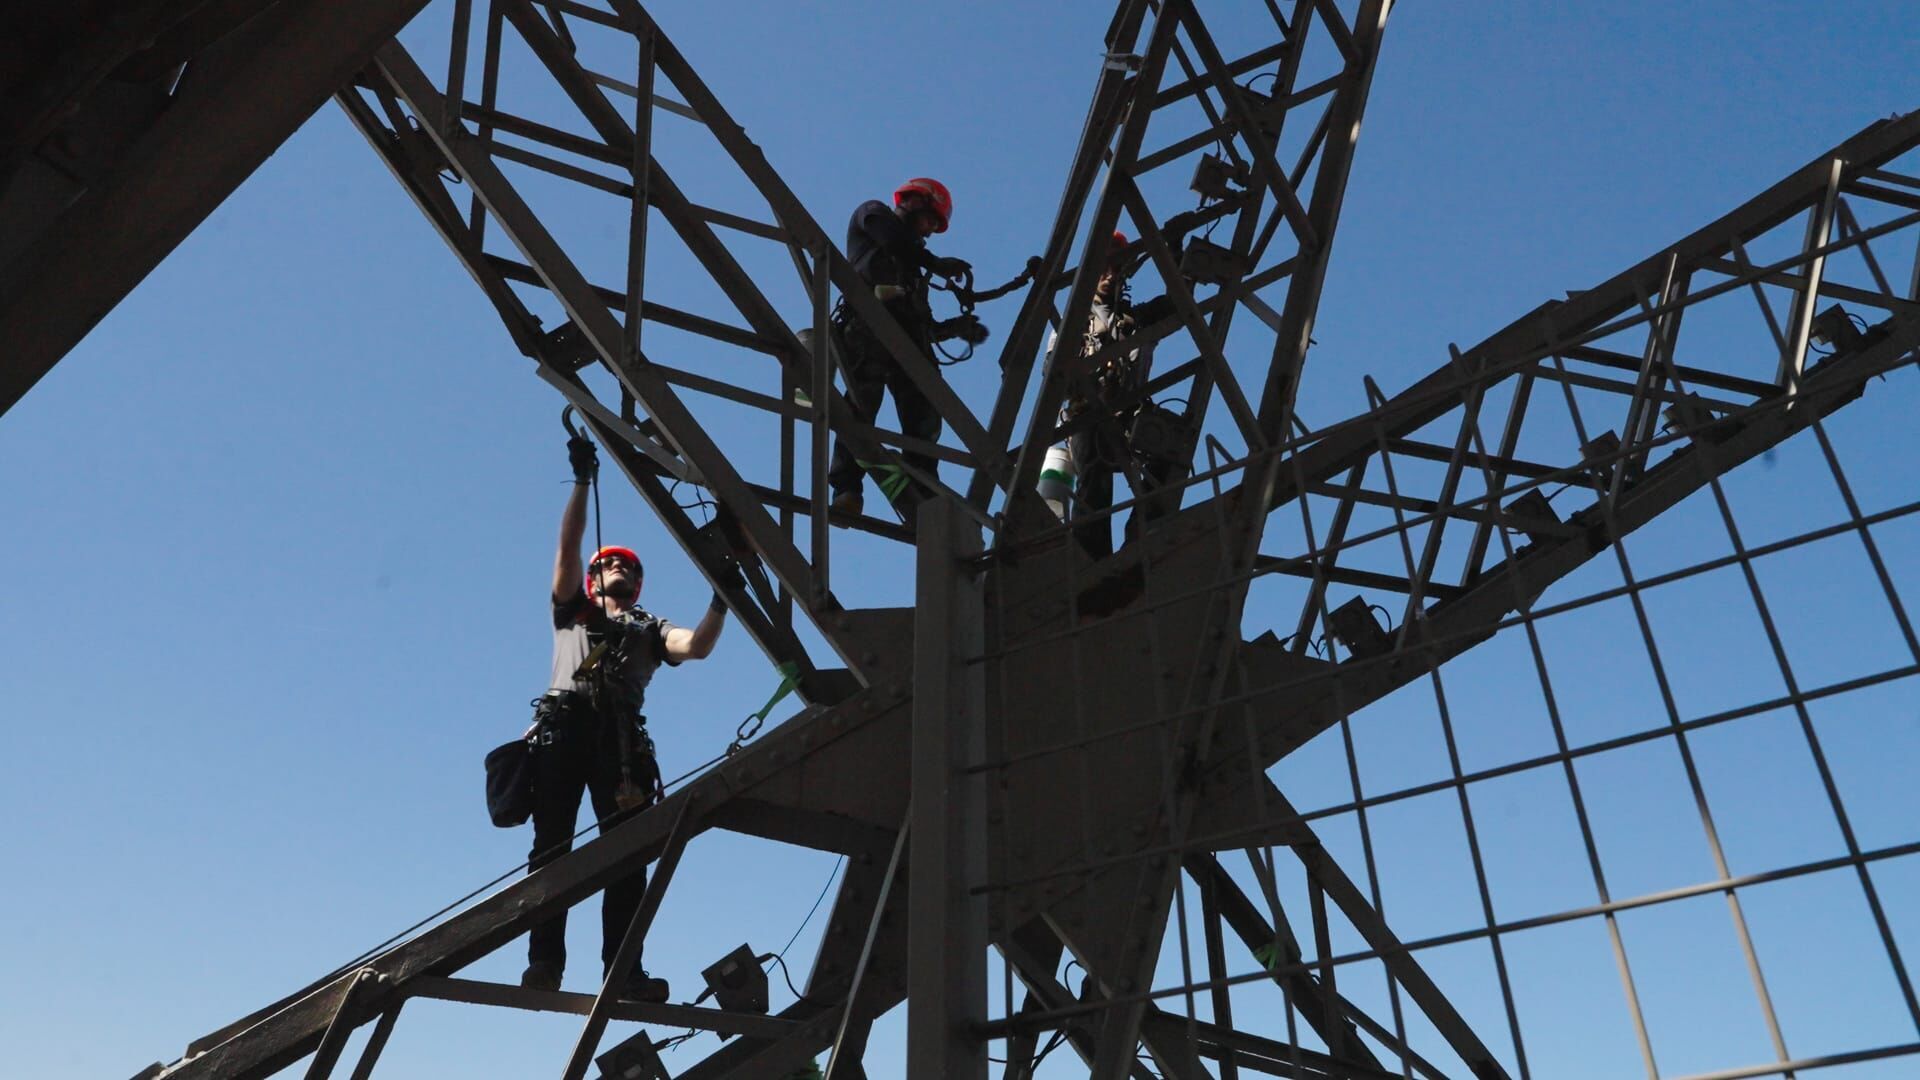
[888, 247]
[588, 727]
[1105, 392]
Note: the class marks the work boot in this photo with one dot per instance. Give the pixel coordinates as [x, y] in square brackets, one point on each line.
[541, 975]
[641, 986]
[847, 502]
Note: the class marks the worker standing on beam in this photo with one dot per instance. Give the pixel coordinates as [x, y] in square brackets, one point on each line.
[888, 247]
[1106, 398]
[589, 730]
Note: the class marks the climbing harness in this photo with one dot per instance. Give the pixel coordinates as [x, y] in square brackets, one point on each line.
[789, 678]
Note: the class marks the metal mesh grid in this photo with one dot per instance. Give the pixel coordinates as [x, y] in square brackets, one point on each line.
[1697, 710]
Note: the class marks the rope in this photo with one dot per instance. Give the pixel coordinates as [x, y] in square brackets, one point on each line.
[789, 678]
[961, 287]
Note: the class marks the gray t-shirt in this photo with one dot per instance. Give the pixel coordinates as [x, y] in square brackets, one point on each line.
[637, 647]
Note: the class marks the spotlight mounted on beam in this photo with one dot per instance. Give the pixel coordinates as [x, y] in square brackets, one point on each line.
[1693, 417]
[1834, 328]
[634, 1059]
[1601, 455]
[1217, 178]
[1353, 623]
[1207, 263]
[1531, 513]
[737, 982]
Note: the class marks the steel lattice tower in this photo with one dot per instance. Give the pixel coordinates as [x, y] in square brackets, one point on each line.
[1068, 763]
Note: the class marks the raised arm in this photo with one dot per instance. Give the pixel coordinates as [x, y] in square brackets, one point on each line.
[697, 643]
[567, 571]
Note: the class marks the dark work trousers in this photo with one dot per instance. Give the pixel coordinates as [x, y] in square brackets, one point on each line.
[584, 756]
[1098, 453]
[870, 371]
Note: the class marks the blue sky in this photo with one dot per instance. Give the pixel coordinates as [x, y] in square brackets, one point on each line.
[280, 531]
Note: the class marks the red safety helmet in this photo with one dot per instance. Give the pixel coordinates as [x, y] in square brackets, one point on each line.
[615, 553]
[939, 199]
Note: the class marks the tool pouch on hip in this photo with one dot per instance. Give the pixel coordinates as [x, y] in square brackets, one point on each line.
[510, 783]
[511, 767]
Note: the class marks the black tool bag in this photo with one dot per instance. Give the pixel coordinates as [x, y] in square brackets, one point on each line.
[510, 783]
[510, 769]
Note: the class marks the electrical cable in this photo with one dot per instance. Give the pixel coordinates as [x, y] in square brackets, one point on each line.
[700, 502]
[842, 861]
[673, 1041]
[788, 976]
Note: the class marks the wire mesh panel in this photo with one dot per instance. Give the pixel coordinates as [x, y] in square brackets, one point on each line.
[1568, 666]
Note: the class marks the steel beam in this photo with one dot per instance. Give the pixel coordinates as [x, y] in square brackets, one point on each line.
[212, 136]
[946, 921]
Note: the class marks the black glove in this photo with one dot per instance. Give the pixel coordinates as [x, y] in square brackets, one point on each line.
[950, 267]
[584, 458]
[967, 328]
[729, 577]
[1148, 312]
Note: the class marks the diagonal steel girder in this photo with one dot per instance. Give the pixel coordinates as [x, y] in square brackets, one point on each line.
[635, 453]
[591, 316]
[618, 134]
[1131, 90]
[1564, 325]
[246, 96]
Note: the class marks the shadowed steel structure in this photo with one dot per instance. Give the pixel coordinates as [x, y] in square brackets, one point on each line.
[1054, 762]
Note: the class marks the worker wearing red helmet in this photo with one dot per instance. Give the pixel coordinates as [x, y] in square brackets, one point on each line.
[590, 733]
[888, 246]
[1106, 398]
